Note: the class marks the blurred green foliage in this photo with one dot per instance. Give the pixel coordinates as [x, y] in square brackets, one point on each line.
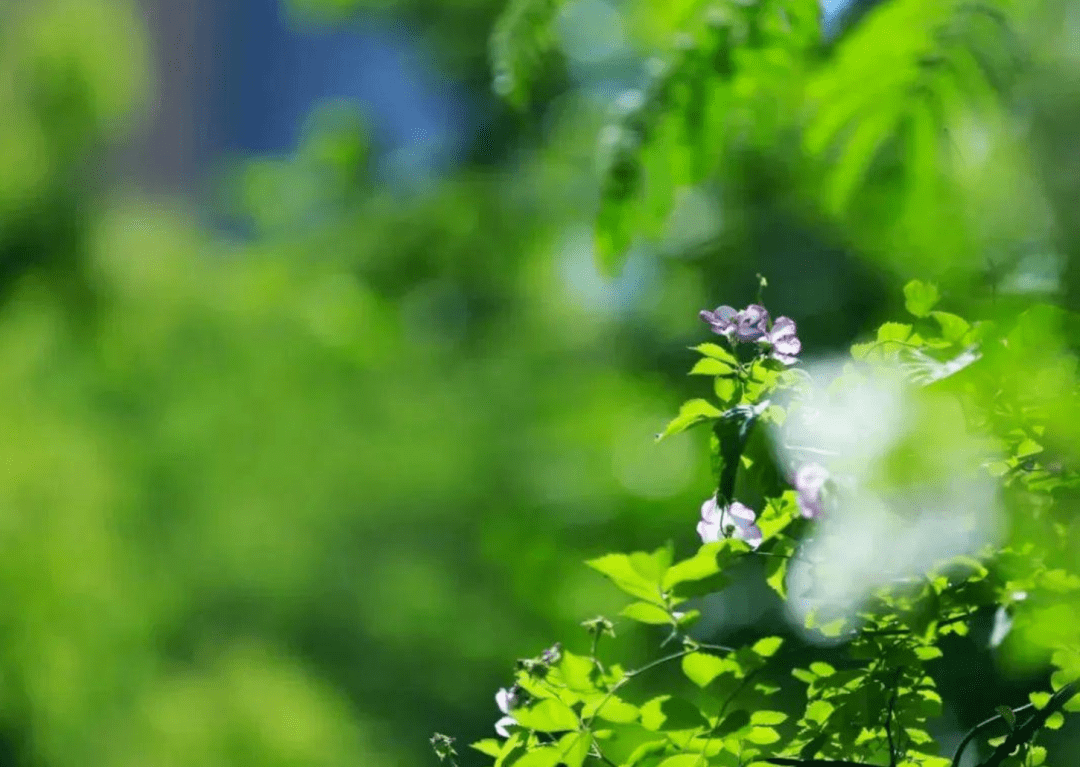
[297, 498]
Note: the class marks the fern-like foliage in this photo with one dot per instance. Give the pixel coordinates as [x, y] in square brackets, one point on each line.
[737, 62]
[522, 43]
[901, 79]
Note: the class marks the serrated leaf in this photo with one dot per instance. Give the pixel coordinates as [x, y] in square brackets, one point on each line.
[920, 298]
[894, 332]
[646, 612]
[690, 414]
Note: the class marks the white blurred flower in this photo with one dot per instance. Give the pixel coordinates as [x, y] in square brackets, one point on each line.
[734, 521]
[911, 494]
[507, 699]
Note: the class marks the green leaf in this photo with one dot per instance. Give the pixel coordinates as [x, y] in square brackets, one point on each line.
[690, 414]
[574, 748]
[577, 672]
[1055, 720]
[682, 760]
[549, 715]
[725, 390]
[709, 560]
[1007, 714]
[670, 713]
[893, 332]
[928, 653]
[776, 574]
[620, 569]
[762, 736]
[544, 756]
[820, 668]
[711, 367]
[511, 745]
[920, 298]
[819, 711]
[1028, 447]
[762, 717]
[523, 41]
[733, 722]
[953, 327]
[717, 352]
[810, 750]
[767, 647]
[701, 668]
[488, 746]
[648, 748]
[1039, 699]
[610, 708]
[646, 612]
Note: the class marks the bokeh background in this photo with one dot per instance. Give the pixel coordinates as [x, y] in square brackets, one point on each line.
[313, 397]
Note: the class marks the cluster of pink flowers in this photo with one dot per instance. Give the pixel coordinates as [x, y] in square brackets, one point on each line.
[779, 339]
[752, 325]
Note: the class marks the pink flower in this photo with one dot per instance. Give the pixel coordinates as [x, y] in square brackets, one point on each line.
[785, 345]
[752, 323]
[809, 483]
[723, 320]
[734, 521]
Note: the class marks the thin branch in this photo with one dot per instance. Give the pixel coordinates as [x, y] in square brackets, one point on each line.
[1024, 733]
[889, 718]
[981, 726]
[723, 709]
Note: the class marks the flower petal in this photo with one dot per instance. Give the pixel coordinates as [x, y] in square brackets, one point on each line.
[741, 515]
[708, 531]
[502, 724]
[751, 534]
[710, 512]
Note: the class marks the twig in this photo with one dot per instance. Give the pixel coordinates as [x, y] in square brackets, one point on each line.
[1028, 729]
[889, 717]
[723, 709]
[979, 728]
